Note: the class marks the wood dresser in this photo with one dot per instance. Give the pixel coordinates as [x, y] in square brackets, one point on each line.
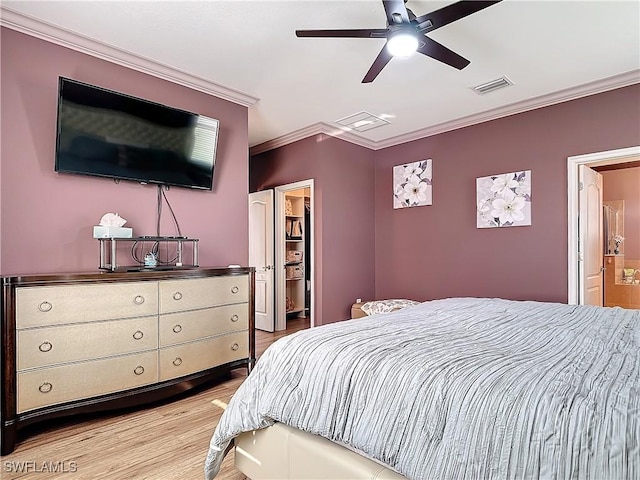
[80, 343]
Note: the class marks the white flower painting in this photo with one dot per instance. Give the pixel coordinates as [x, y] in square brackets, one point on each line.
[412, 184]
[504, 200]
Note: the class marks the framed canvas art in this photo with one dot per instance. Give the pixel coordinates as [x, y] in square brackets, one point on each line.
[412, 184]
[504, 200]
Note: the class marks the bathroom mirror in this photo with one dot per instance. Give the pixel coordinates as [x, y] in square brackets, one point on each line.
[613, 224]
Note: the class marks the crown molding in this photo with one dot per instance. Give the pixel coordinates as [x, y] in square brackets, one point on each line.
[51, 33]
[573, 93]
[311, 130]
[599, 86]
[66, 38]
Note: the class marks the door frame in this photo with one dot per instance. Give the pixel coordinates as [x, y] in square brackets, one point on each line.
[279, 245]
[609, 157]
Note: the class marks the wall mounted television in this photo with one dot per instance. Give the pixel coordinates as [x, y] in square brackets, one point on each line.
[109, 134]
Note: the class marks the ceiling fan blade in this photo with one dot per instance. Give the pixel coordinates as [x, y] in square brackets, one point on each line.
[357, 33]
[378, 64]
[396, 12]
[450, 13]
[433, 49]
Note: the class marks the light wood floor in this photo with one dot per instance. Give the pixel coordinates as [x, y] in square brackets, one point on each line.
[264, 339]
[164, 441]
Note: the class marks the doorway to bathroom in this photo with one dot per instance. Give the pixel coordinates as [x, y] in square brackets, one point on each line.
[579, 242]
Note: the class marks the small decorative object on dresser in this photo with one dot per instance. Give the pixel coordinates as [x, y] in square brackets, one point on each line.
[112, 225]
[81, 343]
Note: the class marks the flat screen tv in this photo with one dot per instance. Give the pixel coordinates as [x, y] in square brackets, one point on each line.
[109, 134]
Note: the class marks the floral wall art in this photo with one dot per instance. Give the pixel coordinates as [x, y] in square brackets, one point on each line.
[504, 200]
[412, 184]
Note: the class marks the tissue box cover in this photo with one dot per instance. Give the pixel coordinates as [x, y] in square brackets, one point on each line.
[100, 231]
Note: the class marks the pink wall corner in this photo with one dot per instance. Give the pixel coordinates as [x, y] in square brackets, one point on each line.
[47, 218]
[436, 251]
[344, 221]
[624, 184]
[349, 226]
[289, 164]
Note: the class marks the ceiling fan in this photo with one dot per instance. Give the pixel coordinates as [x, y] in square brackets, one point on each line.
[406, 33]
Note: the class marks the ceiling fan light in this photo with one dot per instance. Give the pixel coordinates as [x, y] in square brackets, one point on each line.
[402, 44]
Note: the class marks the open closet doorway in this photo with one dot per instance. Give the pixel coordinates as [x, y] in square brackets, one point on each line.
[294, 254]
[579, 242]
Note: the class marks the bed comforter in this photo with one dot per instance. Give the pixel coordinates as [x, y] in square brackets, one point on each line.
[459, 388]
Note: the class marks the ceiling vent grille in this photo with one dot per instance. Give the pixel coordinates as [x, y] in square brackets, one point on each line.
[492, 86]
[361, 122]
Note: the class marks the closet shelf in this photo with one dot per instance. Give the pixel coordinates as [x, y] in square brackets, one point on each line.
[296, 236]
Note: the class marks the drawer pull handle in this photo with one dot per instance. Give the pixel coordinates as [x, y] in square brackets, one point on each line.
[46, 387]
[177, 296]
[235, 289]
[235, 347]
[235, 318]
[45, 307]
[139, 370]
[45, 346]
[138, 300]
[177, 328]
[138, 335]
[177, 361]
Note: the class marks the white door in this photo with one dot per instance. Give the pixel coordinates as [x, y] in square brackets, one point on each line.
[261, 256]
[590, 237]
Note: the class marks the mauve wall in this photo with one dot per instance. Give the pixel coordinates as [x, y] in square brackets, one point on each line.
[343, 176]
[47, 218]
[624, 184]
[437, 251]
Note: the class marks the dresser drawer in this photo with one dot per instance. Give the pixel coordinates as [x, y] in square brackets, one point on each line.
[195, 324]
[181, 295]
[53, 385]
[60, 304]
[38, 347]
[193, 357]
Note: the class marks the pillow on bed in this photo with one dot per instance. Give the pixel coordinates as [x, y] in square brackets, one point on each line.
[386, 306]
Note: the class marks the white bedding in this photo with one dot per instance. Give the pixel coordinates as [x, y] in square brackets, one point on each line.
[459, 388]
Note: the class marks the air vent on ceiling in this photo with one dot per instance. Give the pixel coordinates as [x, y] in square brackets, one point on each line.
[492, 86]
[362, 121]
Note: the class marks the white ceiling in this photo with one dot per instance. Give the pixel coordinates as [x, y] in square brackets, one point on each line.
[247, 51]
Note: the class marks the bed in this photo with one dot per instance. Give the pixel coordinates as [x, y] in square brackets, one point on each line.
[452, 388]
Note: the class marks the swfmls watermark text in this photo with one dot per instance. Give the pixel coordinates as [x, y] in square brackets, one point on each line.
[32, 466]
